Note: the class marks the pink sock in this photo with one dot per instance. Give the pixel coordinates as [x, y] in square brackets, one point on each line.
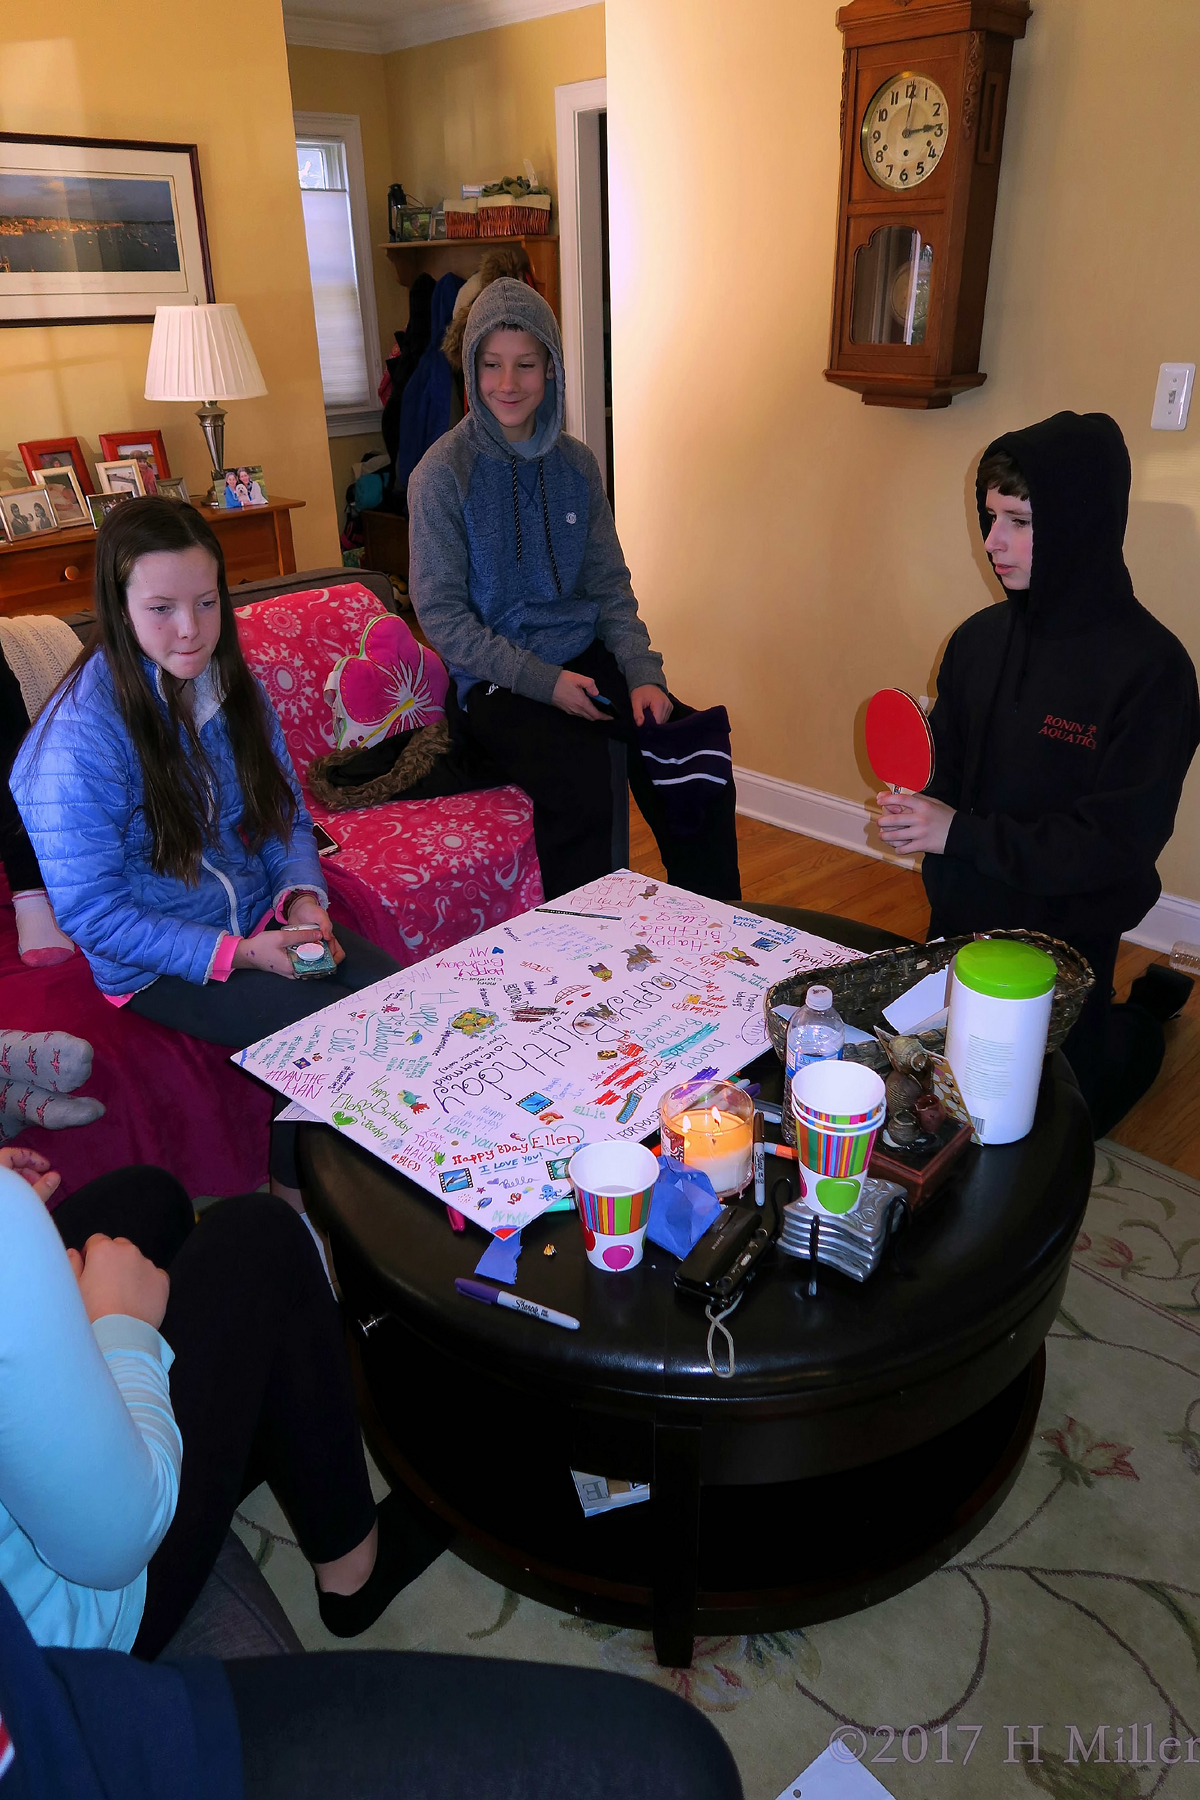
[39, 940]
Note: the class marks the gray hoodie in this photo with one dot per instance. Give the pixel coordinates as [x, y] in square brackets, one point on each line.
[515, 566]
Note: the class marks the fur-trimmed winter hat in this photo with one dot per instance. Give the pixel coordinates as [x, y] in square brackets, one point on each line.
[509, 260]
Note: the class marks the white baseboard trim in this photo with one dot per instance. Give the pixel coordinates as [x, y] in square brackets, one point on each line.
[814, 814]
[832, 820]
[1171, 919]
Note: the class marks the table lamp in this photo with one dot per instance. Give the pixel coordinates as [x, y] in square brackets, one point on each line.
[203, 353]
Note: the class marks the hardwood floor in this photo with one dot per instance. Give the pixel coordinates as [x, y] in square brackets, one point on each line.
[790, 870]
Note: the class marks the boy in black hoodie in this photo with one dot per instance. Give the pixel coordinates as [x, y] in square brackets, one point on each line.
[1065, 722]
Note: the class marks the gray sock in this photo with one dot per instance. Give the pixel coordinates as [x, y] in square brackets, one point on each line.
[49, 1059]
[21, 1104]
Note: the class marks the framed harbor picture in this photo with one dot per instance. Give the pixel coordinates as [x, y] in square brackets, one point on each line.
[96, 230]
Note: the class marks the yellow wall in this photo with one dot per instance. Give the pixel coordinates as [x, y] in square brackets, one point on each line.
[793, 550]
[345, 81]
[177, 76]
[473, 108]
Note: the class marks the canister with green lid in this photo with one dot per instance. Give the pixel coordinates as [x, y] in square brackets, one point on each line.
[1000, 996]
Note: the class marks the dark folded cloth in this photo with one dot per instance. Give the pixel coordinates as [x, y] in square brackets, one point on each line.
[690, 765]
[426, 764]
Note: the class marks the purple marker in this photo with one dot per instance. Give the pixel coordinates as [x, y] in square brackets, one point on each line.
[490, 1296]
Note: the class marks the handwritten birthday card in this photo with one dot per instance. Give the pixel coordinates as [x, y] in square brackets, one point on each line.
[480, 1071]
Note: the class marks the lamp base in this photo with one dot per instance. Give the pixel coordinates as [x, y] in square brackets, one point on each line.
[212, 424]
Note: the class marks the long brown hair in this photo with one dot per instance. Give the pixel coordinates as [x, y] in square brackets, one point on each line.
[178, 783]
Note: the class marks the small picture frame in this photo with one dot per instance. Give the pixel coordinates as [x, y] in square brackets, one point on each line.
[174, 487]
[66, 496]
[122, 476]
[234, 489]
[55, 453]
[26, 513]
[100, 505]
[145, 446]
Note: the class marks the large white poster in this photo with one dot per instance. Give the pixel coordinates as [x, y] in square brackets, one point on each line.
[480, 1071]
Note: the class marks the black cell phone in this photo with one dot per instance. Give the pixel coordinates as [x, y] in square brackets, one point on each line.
[729, 1254]
[326, 845]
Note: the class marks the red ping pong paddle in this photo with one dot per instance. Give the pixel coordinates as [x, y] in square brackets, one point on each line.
[899, 741]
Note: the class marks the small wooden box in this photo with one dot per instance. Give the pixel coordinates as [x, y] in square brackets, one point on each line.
[921, 1178]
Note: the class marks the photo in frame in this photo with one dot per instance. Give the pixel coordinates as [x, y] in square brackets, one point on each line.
[174, 487]
[26, 513]
[124, 476]
[145, 447]
[66, 496]
[236, 488]
[99, 230]
[56, 453]
[100, 505]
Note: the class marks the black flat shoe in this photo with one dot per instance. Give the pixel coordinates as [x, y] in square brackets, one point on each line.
[410, 1538]
[1163, 993]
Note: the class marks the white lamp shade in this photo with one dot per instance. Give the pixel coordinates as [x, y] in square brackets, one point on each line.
[201, 353]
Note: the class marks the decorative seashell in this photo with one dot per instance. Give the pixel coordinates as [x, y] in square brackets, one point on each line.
[908, 1054]
[902, 1092]
[549, 1250]
[903, 1128]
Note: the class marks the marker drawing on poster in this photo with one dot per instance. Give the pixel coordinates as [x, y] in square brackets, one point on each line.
[480, 1071]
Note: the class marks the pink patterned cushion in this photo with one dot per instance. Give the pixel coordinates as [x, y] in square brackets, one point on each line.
[393, 684]
[441, 869]
[424, 873]
[292, 643]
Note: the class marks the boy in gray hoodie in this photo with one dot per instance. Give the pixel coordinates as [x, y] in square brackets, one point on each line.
[519, 583]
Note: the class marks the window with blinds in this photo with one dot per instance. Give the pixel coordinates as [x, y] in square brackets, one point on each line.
[329, 228]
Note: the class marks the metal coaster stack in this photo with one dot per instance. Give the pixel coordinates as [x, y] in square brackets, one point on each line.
[852, 1242]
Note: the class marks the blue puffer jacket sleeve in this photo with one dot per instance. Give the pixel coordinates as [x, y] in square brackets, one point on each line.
[293, 863]
[76, 796]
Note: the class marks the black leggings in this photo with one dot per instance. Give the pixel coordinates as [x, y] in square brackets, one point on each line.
[562, 762]
[260, 1385]
[371, 1725]
[16, 851]
[254, 1003]
[1114, 1051]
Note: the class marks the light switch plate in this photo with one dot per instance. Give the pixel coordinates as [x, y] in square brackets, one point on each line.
[1173, 396]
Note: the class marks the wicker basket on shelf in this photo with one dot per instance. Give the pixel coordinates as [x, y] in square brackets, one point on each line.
[462, 218]
[861, 989]
[500, 215]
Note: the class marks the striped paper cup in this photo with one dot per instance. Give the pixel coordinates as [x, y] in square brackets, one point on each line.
[833, 1165]
[844, 1122]
[837, 1093]
[614, 1184]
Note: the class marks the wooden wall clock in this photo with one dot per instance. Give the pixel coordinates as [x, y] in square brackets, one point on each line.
[924, 95]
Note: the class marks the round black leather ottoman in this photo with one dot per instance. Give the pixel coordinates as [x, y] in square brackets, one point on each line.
[868, 1432]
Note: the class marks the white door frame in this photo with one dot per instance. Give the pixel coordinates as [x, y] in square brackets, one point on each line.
[576, 109]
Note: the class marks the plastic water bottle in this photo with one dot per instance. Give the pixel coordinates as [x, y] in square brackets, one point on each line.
[816, 1033]
[1186, 958]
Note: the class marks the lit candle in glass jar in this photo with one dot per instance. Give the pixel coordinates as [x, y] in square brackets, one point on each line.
[709, 1126]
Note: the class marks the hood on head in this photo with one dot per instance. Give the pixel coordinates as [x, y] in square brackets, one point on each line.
[1078, 472]
[508, 302]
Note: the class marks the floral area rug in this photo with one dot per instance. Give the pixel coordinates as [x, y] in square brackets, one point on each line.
[1075, 1612]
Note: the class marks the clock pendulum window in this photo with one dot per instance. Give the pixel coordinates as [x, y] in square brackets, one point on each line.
[923, 123]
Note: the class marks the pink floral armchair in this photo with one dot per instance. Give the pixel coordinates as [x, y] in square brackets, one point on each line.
[415, 876]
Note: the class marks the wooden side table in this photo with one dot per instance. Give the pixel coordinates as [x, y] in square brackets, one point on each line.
[54, 573]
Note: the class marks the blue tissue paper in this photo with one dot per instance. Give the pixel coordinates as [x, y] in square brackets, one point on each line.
[499, 1260]
[683, 1207]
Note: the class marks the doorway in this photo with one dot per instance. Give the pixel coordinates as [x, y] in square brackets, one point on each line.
[582, 130]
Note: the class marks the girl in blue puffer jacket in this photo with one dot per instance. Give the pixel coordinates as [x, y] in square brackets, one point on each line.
[158, 793]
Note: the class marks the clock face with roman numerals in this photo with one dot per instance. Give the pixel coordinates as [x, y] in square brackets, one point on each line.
[905, 132]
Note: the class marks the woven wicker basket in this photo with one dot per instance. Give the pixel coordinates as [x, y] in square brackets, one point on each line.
[862, 989]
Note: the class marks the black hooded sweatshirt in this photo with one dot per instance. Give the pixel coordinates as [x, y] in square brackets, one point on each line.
[1066, 717]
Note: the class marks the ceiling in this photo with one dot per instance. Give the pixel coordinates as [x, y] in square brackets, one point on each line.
[377, 26]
